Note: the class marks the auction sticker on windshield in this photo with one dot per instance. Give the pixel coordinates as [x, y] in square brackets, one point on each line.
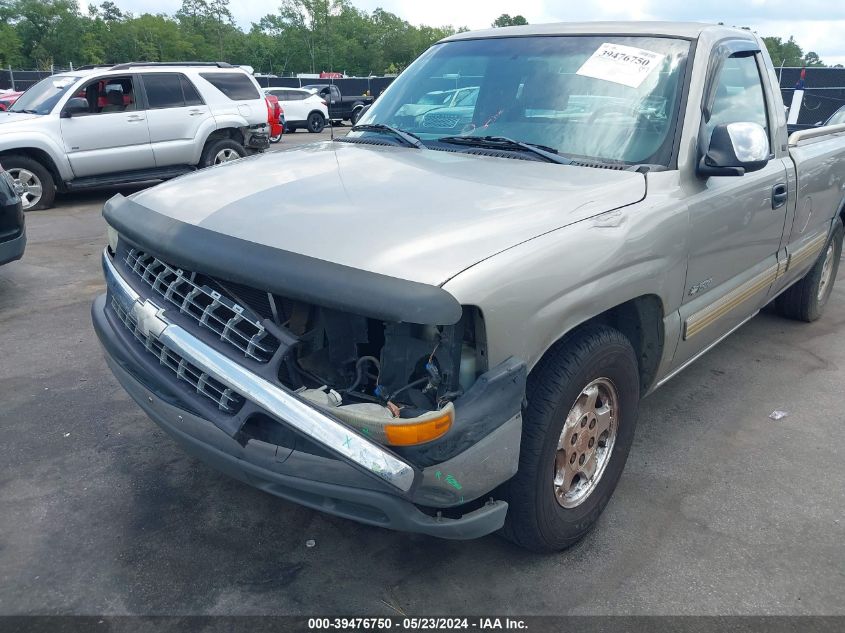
[621, 64]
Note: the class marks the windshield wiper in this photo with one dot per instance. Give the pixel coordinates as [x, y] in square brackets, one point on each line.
[548, 154]
[409, 139]
[25, 111]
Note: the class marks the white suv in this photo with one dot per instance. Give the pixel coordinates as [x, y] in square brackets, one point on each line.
[136, 122]
[303, 108]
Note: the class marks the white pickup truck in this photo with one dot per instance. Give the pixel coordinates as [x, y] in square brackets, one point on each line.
[136, 122]
[455, 339]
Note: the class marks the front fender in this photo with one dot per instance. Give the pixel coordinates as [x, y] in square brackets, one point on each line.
[11, 142]
[534, 293]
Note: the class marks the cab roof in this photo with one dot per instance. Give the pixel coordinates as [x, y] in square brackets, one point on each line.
[685, 30]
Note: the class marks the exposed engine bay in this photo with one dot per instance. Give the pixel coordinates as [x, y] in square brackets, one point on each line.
[371, 373]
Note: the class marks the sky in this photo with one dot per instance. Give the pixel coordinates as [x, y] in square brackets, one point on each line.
[817, 25]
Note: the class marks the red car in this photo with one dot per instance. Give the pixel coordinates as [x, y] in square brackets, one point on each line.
[8, 98]
[275, 117]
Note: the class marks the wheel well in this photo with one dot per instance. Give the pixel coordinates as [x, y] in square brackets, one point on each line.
[641, 321]
[38, 155]
[314, 112]
[229, 132]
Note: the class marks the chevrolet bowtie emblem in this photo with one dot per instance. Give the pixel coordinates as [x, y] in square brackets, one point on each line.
[147, 317]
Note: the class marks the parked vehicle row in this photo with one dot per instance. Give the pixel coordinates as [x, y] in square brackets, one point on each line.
[275, 118]
[129, 123]
[341, 107]
[458, 340]
[303, 109]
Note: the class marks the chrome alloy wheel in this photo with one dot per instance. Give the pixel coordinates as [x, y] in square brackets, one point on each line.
[27, 186]
[586, 442]
[827, 271]
[226, 156]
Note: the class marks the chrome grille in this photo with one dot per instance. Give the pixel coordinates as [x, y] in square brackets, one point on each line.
[230, 321]
[227, 400]
[440, 120]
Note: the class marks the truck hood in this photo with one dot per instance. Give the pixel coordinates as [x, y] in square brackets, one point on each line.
[419, 215]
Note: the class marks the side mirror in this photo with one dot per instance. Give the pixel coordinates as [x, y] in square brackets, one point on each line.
[734, 149]
[76, 105]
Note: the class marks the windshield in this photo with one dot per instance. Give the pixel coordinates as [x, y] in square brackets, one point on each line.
[605, 98]
[43, 96]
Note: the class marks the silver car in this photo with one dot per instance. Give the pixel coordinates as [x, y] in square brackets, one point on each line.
[111, 125]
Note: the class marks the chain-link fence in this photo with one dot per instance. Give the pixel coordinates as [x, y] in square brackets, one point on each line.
[12, 79]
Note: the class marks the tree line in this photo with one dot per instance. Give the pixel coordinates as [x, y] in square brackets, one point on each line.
[302, 36]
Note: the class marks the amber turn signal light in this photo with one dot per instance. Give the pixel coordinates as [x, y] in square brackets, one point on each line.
[419, 433]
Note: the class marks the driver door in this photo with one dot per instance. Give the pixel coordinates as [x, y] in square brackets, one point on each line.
[736, 222]
[113, 135]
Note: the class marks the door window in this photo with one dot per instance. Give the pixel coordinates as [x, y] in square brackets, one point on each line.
[192, 97]
[738, 95]
[164, 91]
[109, 95]
[170, 90]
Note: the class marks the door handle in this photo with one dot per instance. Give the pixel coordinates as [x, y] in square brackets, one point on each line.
[194, 112]
[779, 195]
[135, 117]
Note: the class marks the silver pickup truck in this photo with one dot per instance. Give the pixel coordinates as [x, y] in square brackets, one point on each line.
[456, 339]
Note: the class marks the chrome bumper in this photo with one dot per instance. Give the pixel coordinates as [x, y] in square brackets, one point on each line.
[276, 400]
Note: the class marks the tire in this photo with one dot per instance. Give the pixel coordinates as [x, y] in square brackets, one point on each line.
[221, 151]
[316, 122]
[805, 299]
[356, 114]
[276, 139]
[290, 129]
[40, 188]
[594, 359]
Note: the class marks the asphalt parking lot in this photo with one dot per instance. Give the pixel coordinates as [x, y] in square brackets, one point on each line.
[301, 137]
[721, 510]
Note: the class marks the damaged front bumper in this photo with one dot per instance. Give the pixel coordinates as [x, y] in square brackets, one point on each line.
[324, 464]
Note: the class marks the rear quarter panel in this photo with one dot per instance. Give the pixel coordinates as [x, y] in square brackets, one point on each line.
[819, 197]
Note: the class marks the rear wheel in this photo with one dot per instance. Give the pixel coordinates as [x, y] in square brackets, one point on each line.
[356, 114]
[33, 182]
[316, 122]
[222, 151]
[805, 300]
[578, 427]
[276, 138]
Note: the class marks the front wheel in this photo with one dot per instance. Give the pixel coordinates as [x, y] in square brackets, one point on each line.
[577, 430]
[316, 122]
[276, 138]
[33, 182]
[805, 300]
